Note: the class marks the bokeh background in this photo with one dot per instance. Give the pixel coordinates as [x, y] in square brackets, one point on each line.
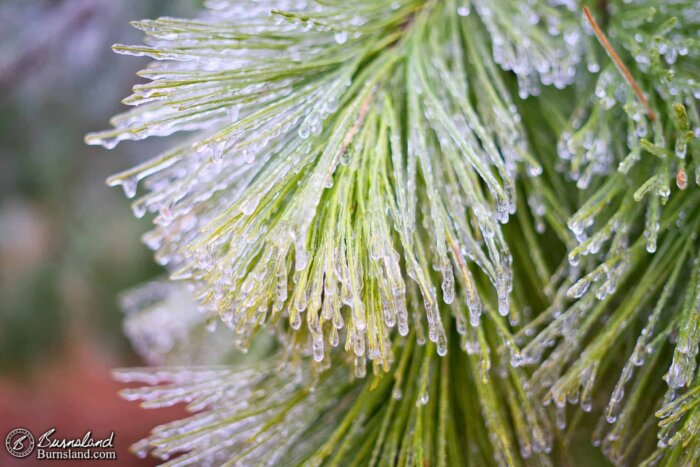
[68, 243]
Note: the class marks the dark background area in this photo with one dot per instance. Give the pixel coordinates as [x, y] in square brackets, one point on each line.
[68, 243]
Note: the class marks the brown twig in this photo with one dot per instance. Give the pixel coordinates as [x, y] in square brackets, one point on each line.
[350, 135]
[618, 63]
[364, 108]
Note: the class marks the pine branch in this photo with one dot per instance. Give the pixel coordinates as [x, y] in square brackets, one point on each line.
[341, 163]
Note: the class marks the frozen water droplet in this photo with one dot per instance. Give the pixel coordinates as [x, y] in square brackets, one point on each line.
[341, 37]
[129, 185]
[139, 209]
[442, 345]
[295, 320]
[651, 245]
[561, 418]
[586, 405]
[318, 347]
[423, 400]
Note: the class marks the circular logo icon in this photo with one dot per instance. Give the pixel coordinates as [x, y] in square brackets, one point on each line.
[19, 442]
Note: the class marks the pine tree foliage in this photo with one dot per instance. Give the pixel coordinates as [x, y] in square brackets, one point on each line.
[634, 168]
[479, 199]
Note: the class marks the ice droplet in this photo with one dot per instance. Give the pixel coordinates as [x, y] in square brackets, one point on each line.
[464, 9]
[129, 185]
[341, 37]
[295, 320]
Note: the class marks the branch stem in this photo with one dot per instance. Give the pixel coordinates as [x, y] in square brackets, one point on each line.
[619, 63]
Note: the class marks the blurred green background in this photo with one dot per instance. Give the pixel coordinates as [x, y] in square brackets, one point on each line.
[68, 243]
